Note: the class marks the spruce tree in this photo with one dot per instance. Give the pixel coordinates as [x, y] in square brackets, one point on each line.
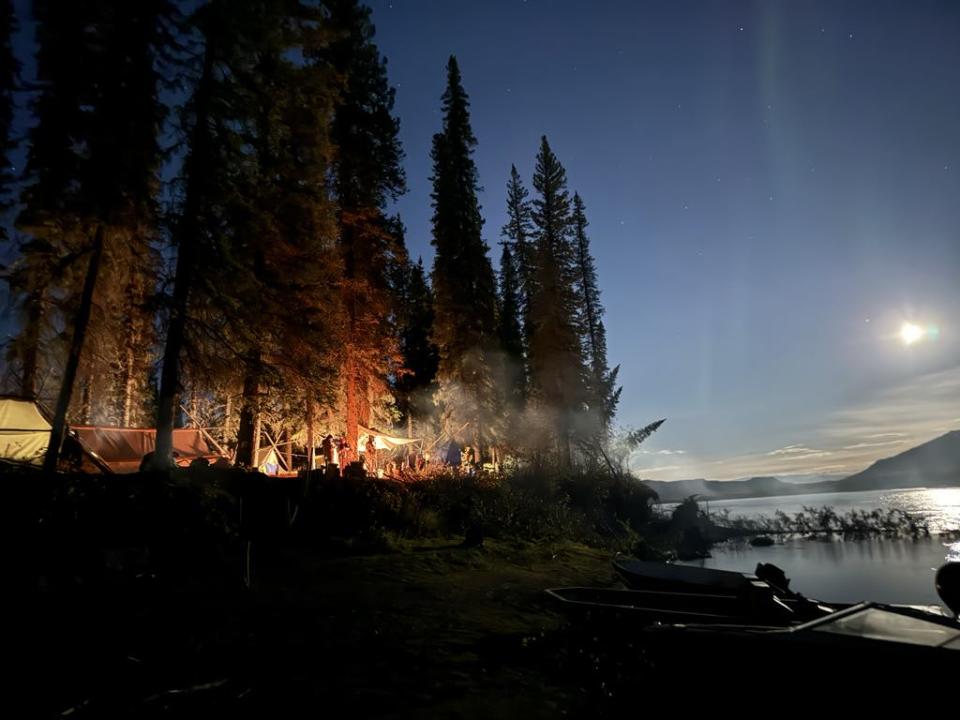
[464, 286]
[509, 327]
[367, 174]
[601, 380]
[519, 232]
[556, 360]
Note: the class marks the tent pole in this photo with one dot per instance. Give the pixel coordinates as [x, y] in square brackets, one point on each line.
[274, 446]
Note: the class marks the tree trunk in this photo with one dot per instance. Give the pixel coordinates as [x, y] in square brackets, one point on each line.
[564, 450]
[187, 237]
[85, 402]
[128, 385]
[353, 411]
[288, 449]
[248, 437]
[311, 437]
[227, 412]
[31, 342]
[59, 425]
[170, 374]
[193, 407]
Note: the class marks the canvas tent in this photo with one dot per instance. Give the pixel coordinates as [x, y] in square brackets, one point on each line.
[122, 449]
[268, 462]
[24, 431]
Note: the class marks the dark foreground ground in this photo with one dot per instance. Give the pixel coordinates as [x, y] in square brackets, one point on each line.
[129, 600]
[428, 631]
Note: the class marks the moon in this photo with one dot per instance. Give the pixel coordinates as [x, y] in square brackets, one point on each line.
[910, 333]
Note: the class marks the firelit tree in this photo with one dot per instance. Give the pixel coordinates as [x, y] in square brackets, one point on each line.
[464, 286]
[556, 361]
[93, 158]
[601, 380]
[367, 174]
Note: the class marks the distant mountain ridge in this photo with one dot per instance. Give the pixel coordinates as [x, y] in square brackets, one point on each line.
[933, 464]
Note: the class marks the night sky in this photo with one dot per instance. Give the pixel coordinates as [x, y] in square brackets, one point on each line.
[773, 189]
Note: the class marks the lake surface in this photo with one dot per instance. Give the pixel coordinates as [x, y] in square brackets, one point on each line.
[894, 571]
[940, 506]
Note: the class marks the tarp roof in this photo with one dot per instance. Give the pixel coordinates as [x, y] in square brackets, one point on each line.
[122, 449]
[383, 441]
[24, 431]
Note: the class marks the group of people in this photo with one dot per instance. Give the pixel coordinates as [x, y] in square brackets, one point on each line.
[336, 451]
[332, 449]
[400, 464]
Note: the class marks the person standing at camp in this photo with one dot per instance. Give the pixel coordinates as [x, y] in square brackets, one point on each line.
[342, 454]
[453, 455]
[371, 455]
[326, 448]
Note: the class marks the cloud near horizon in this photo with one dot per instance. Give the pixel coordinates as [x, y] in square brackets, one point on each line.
[894, 419]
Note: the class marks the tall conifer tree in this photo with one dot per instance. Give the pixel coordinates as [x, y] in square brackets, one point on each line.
[556, 360]
[518, 231]
[367, 174]
[464, 286]
[601, 380]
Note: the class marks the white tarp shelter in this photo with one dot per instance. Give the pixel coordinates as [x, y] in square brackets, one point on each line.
[24, 431]
[382, 441]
